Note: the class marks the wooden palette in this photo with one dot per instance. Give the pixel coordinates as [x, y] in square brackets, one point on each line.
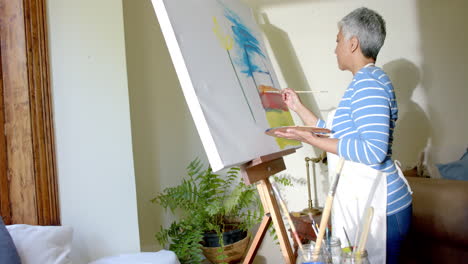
[323, 132]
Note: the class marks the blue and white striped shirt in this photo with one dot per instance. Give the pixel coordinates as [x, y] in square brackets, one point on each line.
[364, 123]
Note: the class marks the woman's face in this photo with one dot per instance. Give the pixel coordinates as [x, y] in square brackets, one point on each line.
[341, 51]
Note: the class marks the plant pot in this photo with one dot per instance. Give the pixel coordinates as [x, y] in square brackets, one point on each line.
[234, 252]
[229, 237]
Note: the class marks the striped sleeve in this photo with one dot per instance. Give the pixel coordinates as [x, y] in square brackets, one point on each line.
[320, 123]
[370, 112]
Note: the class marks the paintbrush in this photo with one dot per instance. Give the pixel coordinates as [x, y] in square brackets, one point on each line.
[347, 238]
[299, 92]
[316, 231]
[288, 217]
[327, 209]
[314, 225]
[365, 230]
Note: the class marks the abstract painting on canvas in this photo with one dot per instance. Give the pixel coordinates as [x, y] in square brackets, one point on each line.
[224, 70]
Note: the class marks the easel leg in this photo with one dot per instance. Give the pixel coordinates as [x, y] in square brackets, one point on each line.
[257, 240]
[278, 223]
[272, 212]
[258, 171]
[260, 235]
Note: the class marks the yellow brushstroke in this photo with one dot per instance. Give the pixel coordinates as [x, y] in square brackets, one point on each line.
[281, 118]
[226, 41]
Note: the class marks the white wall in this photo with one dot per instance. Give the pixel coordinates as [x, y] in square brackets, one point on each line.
[444, 75]
[92, 120]
[165, 139]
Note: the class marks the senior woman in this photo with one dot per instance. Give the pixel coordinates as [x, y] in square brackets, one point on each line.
[362, 132]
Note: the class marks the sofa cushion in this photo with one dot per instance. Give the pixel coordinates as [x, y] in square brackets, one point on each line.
[457, 170]
[42, 244]
[440, 209]
[160, 257]
[439, 233]
[8, 252]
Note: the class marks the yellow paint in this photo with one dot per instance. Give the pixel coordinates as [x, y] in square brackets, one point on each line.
[275, 118]
[225, 40]
[281, 118]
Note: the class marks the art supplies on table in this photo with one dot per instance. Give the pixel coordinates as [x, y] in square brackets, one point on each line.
[334, 249]
[351, 257]
[331, 253]
[307, 256]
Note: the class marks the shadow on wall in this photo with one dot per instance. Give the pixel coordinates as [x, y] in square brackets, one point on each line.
[164, 136]
[288, 62]
[291, 70]
[412, 132]
[445, 80]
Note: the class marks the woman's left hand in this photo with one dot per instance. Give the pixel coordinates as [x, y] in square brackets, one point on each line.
[316, 140]
[296, 134]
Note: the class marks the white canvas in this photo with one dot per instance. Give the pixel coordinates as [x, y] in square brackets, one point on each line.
[224, 70]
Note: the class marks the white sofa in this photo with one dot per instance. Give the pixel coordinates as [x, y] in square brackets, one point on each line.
[52, 245]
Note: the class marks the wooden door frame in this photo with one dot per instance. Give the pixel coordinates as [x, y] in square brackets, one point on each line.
[4, 183]
[28, 117]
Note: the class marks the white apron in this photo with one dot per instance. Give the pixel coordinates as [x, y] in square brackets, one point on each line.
[358, 188]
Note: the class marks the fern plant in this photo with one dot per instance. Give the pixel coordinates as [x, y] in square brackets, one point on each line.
[208, 202]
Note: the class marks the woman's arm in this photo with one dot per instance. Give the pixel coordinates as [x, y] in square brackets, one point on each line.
[292, 100]
[370, 113]
[326, 144]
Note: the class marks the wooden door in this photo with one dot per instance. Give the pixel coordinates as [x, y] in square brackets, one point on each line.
[27, 149]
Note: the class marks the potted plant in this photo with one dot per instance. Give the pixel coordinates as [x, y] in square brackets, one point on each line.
[213, 208]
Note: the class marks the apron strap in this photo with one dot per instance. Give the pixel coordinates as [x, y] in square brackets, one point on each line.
[402, 176]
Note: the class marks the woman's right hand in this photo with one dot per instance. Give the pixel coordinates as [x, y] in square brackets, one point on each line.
[291, 99]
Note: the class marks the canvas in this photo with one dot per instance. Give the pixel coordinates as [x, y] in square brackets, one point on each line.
[224, 70]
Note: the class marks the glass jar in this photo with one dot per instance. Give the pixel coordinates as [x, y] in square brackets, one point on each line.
[307, 255]
[333, 246]
[355, 258]
[331, 250]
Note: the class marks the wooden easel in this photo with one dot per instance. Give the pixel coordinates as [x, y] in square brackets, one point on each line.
[258, 171]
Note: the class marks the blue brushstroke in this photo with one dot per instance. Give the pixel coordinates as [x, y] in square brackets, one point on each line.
[247, 43]
[248, 48]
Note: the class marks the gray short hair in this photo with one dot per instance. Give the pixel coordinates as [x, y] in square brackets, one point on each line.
[368, 27]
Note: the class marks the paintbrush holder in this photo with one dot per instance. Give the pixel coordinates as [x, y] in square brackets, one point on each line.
[333, 246]
[355, 258]
[307, 256]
